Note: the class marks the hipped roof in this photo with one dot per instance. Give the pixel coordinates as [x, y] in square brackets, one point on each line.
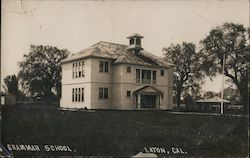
[135, 35]
[120, 54]
[213, 100]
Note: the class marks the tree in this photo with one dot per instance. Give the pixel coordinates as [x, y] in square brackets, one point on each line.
[209, 94]
[11, 84]
[188, 100]
[231, 41]
[187, 72]
[41, 71]
[233, 95]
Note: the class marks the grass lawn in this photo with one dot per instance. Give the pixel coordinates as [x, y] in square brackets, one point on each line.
[123, 133]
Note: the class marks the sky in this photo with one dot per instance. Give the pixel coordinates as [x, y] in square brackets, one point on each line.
[77, 24]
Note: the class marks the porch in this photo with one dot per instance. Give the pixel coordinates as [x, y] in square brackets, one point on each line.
[147, 97]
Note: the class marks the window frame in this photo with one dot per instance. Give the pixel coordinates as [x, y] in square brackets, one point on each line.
[73, 94]
[138, 41]
[162, 72]
[101, 63]
[103, 93]
[103, 66]
[128, 93]
[106, 66]
[142, 76]
[129, 69]
[78, 69]
[132, 41]
[82, 94]
[78, 94]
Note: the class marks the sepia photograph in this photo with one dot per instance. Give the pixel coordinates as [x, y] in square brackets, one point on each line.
[132, 78]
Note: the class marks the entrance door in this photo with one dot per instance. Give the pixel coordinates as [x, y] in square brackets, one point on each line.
[148, 101]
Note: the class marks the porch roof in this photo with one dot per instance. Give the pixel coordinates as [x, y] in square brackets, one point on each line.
[147, 90]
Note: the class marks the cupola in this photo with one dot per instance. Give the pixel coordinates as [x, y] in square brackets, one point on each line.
[135, 42]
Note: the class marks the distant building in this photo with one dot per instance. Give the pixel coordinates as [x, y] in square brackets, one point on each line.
[215, 102]
[115, 76]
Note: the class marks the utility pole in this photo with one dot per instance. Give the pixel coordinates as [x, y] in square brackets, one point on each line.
[222, 90]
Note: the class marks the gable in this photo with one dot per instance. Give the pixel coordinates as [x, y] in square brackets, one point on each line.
[147, 90]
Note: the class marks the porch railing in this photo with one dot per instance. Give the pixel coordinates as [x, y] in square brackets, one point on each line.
[146, 81]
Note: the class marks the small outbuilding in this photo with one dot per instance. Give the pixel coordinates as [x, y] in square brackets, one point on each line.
[211, 103]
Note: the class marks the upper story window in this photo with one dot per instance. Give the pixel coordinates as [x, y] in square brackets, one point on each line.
[103, 93]
[145, 76]
[78, 69]
[103, 66]
[128, 69]
[162, 72]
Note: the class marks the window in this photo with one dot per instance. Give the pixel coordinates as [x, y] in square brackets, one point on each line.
[82, 94]
[103, 93]
[104, 66]
[78, 95]
[128, 69]
[145, 76]
[138, 41]
[154, 77]
[106, 63]
[128, 93]
[73, 95]
[78, 69]
[106, 93]
[132, 41]
[162, 72]
[73, 70]
[138, 75]
[101, 66]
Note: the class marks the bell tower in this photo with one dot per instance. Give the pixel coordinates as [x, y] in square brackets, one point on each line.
[135, 42]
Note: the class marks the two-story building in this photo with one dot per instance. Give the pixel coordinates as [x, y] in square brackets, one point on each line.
[115, 76]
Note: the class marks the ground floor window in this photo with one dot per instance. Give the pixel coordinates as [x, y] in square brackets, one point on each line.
[103, 93]
[77, 94]
[128, 93]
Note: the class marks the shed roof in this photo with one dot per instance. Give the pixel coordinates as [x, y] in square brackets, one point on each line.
[120, 54]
